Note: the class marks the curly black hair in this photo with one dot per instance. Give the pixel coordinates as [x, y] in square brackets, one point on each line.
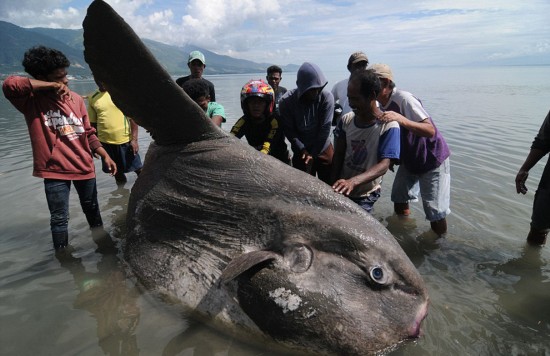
[41, 61]
[195, 88]
[274, 69]
[369, 83]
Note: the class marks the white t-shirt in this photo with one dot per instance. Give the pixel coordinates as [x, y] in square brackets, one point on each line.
[365, 147]
[340, 93]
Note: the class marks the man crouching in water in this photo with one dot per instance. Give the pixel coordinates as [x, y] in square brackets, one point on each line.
[306, 117]
[425, 166]
[364, 146]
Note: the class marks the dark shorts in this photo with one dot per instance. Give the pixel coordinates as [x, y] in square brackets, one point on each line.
[124, 157]
[367, 203]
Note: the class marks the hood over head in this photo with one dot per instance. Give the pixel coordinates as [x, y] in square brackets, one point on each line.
[309, 76]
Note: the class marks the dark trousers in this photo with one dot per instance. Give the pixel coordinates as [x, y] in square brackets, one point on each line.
[57, 195]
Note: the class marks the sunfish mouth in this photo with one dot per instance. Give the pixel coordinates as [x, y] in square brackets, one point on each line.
[415, 330]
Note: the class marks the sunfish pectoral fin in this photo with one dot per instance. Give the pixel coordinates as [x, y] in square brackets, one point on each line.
[138, 84]
[244, 262]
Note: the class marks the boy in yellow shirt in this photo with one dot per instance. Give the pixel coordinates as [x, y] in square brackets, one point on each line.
[117, 133]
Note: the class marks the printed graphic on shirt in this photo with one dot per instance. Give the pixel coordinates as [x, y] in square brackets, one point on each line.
[71, 126]
[358, 156]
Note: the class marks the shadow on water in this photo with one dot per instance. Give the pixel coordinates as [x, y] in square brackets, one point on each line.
[482, 299]
[199, 340]
[509, 314]
[106, 296]
[122, 307]
[107, 293]
[530, 307]
[522, 285]
[416, 243]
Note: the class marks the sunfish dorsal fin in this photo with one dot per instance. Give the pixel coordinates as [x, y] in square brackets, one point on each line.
[138, 84]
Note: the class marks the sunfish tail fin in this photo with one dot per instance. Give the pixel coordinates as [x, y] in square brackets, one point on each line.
[138, 84]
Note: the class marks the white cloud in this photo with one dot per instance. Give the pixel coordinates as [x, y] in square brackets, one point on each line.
[285, 31]
[37, 13]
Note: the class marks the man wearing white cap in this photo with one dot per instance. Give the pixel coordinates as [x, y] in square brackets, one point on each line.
[196, 64]
[424, 157]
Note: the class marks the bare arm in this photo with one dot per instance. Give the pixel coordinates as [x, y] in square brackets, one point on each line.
[423, 128]
[346, 186]
[217, 119]
[100, 151]
[61, 89]
[534, 156]
[134, 131]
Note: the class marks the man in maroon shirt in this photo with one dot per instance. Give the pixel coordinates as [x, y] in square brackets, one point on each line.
[61, 137]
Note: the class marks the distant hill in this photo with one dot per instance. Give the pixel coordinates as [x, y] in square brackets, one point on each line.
[15, 40]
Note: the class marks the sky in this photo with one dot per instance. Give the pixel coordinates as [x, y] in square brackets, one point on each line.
[398, 32]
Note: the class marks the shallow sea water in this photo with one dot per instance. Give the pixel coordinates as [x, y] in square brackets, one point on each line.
[489, 291]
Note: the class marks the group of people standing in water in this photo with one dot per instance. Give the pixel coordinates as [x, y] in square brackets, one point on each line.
[376, 126]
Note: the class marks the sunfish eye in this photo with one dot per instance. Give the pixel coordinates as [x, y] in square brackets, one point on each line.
[298, 258]
[377, 274]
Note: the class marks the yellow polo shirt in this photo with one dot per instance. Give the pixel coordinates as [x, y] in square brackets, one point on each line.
[113, 126]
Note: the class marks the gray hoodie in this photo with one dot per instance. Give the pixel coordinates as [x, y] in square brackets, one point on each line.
[307, 124]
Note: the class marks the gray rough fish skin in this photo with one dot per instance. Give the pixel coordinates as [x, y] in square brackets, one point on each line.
[248, 244]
